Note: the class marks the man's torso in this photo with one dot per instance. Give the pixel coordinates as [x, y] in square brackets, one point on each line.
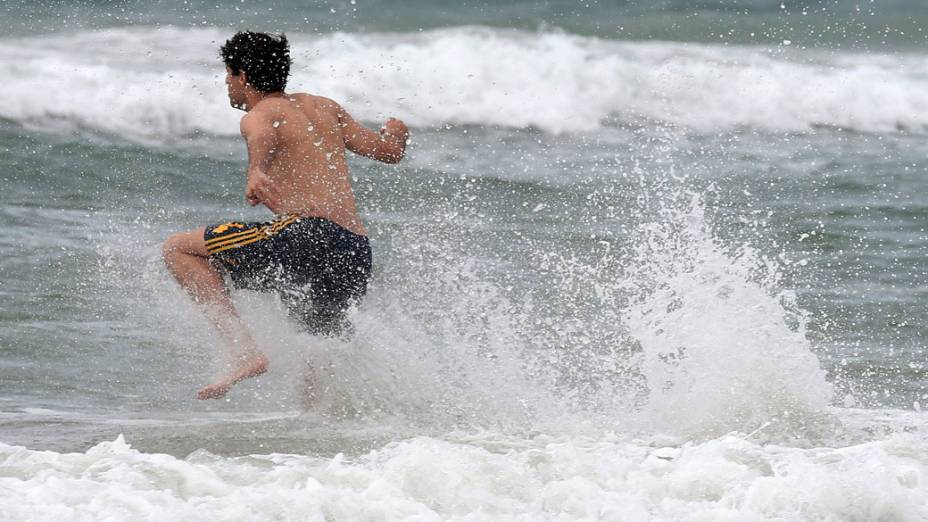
[308, 163]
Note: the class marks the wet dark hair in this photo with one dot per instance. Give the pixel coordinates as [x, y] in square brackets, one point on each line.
[264, 58]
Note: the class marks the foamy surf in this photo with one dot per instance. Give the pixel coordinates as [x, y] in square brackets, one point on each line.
[155, 84]
[480, 476]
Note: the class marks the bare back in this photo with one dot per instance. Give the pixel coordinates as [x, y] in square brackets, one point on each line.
[307, 162]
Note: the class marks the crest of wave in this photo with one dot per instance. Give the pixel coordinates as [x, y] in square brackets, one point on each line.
[173, 83]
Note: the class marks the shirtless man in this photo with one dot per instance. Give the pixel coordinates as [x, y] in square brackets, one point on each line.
[315, 252]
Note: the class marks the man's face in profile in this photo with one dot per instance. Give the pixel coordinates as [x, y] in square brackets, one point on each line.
[235, 85]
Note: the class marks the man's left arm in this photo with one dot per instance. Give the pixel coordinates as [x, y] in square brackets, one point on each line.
[261, 139]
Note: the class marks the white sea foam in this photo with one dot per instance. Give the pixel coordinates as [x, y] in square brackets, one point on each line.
[159, 83]
[479, 476]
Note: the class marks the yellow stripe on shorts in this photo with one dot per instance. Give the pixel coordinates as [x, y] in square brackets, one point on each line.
[223, 238]
[247, 237]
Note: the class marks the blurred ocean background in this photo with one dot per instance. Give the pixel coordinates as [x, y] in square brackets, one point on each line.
[653, 260]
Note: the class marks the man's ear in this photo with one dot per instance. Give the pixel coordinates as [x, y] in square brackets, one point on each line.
[244, 77]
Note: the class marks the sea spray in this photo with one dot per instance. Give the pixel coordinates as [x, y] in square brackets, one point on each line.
[722, 346]
[448, 336]
[665, 328]
[689, 337]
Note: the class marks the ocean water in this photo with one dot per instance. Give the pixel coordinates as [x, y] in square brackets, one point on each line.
[643, 261]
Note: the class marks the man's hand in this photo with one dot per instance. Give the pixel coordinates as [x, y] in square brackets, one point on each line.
[397, 130]
[261, 189]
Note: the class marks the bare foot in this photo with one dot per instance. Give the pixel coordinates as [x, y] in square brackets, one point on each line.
[250, 368]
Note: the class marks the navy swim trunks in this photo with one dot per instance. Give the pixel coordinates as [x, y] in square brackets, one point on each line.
[318, 268]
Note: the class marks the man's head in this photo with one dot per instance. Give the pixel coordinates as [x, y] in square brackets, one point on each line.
[256, 60]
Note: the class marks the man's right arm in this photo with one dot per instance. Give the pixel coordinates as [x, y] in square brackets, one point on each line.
[261, 139]
[388, 146]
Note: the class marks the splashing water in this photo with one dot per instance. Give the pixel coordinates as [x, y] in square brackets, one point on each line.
[722, 348]
[676, 333]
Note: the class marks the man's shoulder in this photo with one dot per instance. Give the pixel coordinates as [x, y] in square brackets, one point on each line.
[266, 109]
[256, 114]
[260, 116]
[318, 101]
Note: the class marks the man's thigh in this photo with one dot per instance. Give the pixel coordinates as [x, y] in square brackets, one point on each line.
[190, 242]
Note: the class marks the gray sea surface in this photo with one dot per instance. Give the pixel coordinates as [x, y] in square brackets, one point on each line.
[627, 225]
